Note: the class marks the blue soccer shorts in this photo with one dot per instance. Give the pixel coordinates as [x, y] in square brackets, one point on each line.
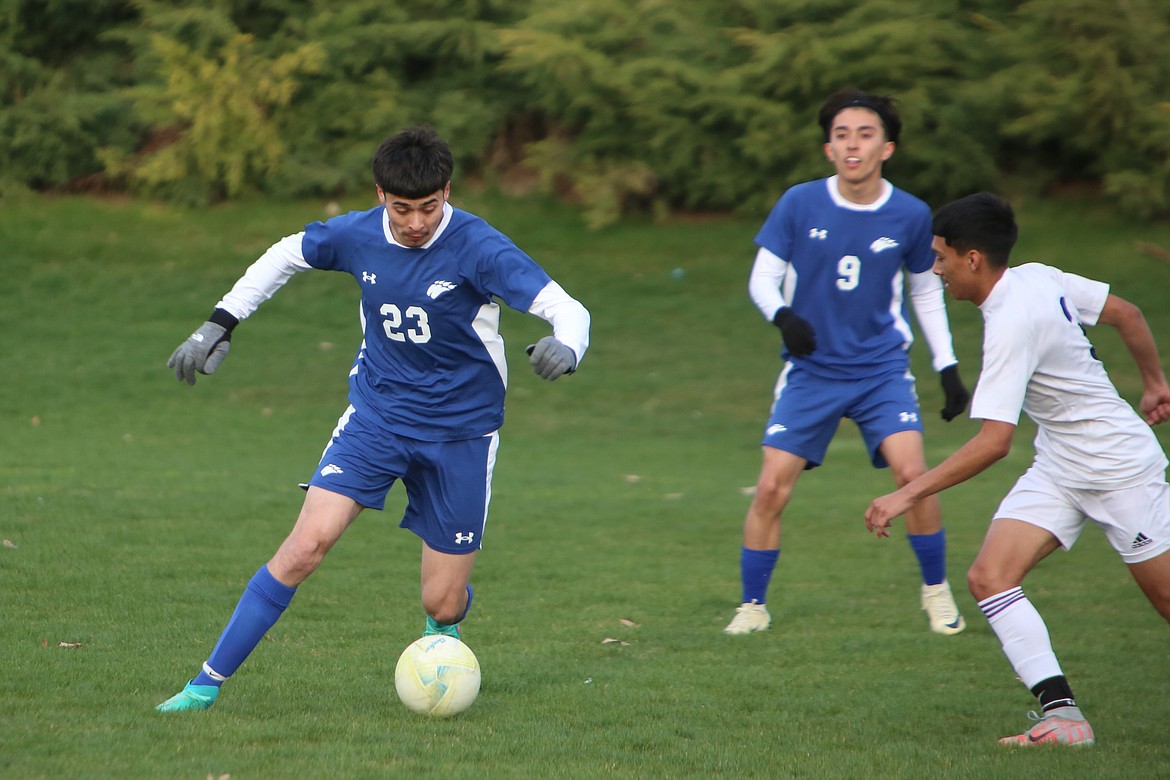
[808, 409]
[448, 483]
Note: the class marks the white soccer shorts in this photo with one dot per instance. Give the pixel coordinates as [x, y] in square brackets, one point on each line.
[1136, 520]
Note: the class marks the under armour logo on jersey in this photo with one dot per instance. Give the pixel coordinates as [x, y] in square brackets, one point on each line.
[468, 537]
[908, 416]
[818, 233]
[438, 287]
[369, 277]
[777, 428]
[331, 469]
[882, 244]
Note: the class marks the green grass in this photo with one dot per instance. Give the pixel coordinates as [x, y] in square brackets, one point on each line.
[137, 508]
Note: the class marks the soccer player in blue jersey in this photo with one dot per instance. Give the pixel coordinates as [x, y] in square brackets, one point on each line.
[1095, 457]
[834, 259]
[426, 391]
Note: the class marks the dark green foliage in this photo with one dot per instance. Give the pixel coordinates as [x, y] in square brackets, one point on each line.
[621, 105]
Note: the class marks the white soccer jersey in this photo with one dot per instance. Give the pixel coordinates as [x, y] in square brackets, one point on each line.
[1037, 359]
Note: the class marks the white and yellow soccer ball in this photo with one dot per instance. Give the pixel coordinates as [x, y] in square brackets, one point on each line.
[437, 676]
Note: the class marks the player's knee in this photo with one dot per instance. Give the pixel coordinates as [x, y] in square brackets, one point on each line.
[446, 606]
[771, 497]
[904, 474]
[446, 612]
[985, 580]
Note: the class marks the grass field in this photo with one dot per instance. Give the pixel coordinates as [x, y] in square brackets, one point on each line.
[133, 510]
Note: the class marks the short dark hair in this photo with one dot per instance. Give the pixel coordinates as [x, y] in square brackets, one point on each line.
[413, 163]
[851, 97]
[983, 221]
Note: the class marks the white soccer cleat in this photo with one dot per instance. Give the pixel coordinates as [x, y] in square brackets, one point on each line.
[749, 618]
[940, 608]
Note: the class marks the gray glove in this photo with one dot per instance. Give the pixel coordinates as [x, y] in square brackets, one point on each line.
[203, 351]
[550, 358]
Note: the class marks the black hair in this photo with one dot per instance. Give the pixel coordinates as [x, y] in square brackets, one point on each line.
[982, 221]
[850, 97]
[413, 163]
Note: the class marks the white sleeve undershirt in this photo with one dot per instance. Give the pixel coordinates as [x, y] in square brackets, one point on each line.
[265, 276]
[926, 296]
[569, 319]
[765, 281]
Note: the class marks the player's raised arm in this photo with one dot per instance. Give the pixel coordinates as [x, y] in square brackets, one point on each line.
[559, 354]
[1135, 332]
[206, 348]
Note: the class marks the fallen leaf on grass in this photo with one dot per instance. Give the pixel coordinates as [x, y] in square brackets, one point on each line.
[11, 545]
[629, 623]
[609, 640]
[69, 644]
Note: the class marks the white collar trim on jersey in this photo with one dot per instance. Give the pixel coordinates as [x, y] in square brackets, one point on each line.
[447, 212]
[835, 194]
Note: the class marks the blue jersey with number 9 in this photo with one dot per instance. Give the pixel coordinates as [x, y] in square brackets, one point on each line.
[846, 273]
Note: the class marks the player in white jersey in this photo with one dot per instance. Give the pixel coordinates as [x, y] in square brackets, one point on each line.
[1096, 459]
[426, 389]
[835, 256]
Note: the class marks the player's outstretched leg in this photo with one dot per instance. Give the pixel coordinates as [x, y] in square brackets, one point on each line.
[261, 605]
[1060, 726]
[192, 697]
[940, 607]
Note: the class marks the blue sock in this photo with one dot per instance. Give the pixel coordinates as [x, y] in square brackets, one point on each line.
[263, 601]
[470, 596]
[755, 567]
[931, 550]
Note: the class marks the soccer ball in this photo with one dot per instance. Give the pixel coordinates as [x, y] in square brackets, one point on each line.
[437, 676]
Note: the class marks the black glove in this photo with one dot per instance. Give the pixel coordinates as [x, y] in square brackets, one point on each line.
[799, 337]
[204, 349]
[956, 395]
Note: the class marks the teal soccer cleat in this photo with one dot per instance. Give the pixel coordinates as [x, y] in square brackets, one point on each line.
[192, 697]
[434, 628]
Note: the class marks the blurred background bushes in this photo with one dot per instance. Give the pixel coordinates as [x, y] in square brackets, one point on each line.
[623, 106]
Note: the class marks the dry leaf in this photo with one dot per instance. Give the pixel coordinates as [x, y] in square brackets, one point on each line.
[69, 644]
[609, 640]
[629, 623]
[35, 421]
[748, 491]
[632, 478]
[1153, 250]
[11, 545]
